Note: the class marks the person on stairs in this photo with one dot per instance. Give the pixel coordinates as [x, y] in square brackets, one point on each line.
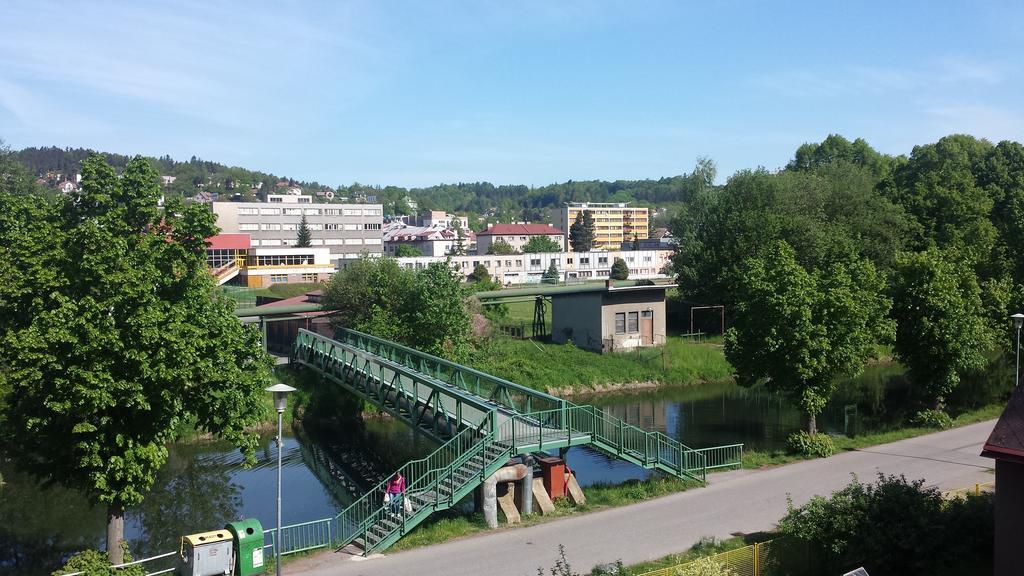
[394, 494]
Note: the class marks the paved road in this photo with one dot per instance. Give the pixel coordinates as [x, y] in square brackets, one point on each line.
[741, 501]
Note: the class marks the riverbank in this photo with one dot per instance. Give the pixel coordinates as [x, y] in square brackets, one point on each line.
[742, 501]
[449, 526]
[564, 369]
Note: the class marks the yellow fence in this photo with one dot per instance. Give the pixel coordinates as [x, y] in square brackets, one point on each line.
[762, 559]
[975, 490]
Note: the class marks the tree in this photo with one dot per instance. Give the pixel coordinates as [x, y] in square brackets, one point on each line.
[407, 251]
[114, 336]
[424, 309]
[501, 248]
[541, 244]
[797, 330]
[581, 234]
[551, 275]
[304, 238]
[480, 273]
[941, 330]
[460, 238]
[636, 242]
[620, 271]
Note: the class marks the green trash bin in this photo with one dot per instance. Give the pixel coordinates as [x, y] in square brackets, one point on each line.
[248, 546]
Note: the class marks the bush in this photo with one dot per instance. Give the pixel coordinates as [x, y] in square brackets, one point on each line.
[816, 445]
[932, 419]
[893, 527]
[94, 563]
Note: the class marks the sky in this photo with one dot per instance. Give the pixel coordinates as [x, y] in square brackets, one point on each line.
[421, 93]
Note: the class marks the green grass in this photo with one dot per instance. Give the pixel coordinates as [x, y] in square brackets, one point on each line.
[759, 459]
[448, 525]
[706, 546]
[562, 366]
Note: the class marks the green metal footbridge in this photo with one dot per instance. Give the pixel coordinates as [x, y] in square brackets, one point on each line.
[480, 422]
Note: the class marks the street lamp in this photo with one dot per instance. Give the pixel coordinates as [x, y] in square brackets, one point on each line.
[280, 392]
[1018, 321]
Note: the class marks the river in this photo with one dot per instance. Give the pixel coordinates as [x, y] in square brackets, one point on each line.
[205, 484]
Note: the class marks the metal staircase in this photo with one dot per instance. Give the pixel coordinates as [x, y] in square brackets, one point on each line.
[480, 421]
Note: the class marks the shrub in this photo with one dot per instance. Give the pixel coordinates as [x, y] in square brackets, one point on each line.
[95, 563]
[932, 419]
[816, 445]
[892, 527]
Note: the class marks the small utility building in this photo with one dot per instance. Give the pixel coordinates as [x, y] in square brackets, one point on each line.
[1006, 446]
[609, 317]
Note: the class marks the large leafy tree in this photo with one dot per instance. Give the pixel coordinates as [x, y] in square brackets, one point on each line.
[113, 337]
[620, 270]
[942, 330]
[541, 244]
[425, 309]
[798, 330]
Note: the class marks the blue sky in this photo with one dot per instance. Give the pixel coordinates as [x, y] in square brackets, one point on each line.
[419, 93]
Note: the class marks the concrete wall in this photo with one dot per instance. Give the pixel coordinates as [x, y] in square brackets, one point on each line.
[632, 301]
[1009, 518]
[577, 317]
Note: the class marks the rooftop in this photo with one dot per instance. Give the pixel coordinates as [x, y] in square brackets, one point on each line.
[1007, 439]
[228, 242]
[562, 290]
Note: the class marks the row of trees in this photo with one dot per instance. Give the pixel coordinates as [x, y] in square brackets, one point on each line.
[847, 249]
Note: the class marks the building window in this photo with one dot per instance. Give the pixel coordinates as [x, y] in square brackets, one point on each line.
[309, 277]
[272, 200]
[289, 226]
[332, 226]
[248, 211]
[270, 211]
[312, 211]
[332, 211]
[647, 258]
[352, 212]
[303, 200]
[534, 261]
[371, 226]
[568, 260]
[633, 323]
[519, 262]
[248, 227]
[602, 260]
[620, 322]
[293, 211]
[647, 314]
[278, 278]
[584, 260]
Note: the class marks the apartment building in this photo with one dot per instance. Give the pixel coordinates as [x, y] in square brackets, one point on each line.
[529, 268]
[614, 223]
[516, 235]
[347, 230]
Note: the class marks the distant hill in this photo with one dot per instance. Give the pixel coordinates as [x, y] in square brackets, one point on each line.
[494, 203]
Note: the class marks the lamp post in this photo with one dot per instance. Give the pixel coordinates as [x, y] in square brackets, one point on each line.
[1018, 321]
[280, 392]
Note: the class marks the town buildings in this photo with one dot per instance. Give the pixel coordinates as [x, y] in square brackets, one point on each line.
[231, 256]
[346, 230]
[516, 235]
[614, 223]
[609, 317]
[428, 240]
[572, 266]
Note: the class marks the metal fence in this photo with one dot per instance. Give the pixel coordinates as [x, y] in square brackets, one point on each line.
[302, 537]
[778, 557]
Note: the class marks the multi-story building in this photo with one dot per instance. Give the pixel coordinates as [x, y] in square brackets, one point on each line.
[529, 268]
[429, 240]
[231, 255]
[347, 230]
[614, 223]
[516, 235]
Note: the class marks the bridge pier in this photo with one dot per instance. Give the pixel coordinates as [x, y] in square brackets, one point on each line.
[489, 490]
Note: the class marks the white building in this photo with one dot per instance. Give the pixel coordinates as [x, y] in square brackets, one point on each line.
[441, 219]
[516, 235]
[346, 230]
[429, 240]
[529, 268]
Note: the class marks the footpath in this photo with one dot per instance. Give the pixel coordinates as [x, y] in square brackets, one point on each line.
[735, 502]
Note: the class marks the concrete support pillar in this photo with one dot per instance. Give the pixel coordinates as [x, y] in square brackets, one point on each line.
[525, 490]
[489, 491]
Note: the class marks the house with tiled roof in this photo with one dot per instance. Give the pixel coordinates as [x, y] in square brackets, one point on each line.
[1006, 446]
[429, 240]
[516, 235]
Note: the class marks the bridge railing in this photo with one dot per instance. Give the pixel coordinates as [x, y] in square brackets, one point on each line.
[514, 396]
[393, 380]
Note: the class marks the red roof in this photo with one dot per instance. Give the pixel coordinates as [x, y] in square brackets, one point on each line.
[1007, 439]
[228, 242]
[521, 229]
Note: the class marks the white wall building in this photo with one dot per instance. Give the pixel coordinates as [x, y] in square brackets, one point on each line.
[516, 235]
[347, 230]
[529, 268]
